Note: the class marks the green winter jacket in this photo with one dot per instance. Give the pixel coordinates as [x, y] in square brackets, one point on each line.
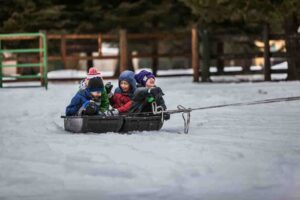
[104, 101]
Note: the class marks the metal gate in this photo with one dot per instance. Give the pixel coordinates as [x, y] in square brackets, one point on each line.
[42, 55]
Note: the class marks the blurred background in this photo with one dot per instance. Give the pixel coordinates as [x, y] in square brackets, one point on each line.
[199, 38]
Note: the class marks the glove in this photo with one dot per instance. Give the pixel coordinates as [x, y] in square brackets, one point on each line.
[90, 108]
[110, 95]
[102, 114]
[108, 87]
[115, 112]
[112, 112]
[156, 91]
[150, 99]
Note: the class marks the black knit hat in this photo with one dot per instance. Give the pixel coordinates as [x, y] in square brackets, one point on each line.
[95, 84]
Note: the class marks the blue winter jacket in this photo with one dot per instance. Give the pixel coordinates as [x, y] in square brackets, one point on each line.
[77, 101]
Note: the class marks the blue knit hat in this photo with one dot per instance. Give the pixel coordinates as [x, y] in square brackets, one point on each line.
[143, 76]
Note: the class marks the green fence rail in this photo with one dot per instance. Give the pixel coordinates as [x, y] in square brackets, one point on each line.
[42, 51]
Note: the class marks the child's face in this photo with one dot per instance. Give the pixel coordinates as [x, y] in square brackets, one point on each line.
[125, 86]
[150, 83]
[96, 94]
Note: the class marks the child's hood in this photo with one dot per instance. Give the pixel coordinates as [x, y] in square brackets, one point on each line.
[129, 77]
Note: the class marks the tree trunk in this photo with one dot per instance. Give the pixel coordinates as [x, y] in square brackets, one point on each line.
[129, 57]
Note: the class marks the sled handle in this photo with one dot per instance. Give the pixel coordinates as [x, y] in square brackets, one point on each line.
[186, 116]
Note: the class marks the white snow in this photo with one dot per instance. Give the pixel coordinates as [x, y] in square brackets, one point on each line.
[282, 65]
[67, 73]
[71, 73]
[246, 152]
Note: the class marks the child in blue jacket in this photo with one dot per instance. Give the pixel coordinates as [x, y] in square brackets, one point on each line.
[88, 101]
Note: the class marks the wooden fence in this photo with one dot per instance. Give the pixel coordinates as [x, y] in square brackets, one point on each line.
[200, 55]
[123, 38]
[207, 56]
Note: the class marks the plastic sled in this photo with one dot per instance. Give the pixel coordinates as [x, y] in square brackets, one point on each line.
[120, 124]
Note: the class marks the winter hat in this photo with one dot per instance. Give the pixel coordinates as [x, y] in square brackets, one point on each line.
[143, 76]
[95, 85]
[93, 72]
[128, 76]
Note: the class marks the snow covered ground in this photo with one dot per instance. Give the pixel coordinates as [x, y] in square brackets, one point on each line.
[246, 152]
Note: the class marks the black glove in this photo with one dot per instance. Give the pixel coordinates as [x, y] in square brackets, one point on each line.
[108, 87]
[90, 109]
[156, 91]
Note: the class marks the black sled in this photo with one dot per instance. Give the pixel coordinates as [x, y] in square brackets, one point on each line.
[119, 124]
[149, 121]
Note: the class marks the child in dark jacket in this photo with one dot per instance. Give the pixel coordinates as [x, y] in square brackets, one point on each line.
[88, 101]
[121, 100]
[93, 73]
[147, 93]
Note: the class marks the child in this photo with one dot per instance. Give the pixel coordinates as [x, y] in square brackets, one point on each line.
[147, 93]
[93, 72]
[88, 101]
[145, 79]
[121, 100]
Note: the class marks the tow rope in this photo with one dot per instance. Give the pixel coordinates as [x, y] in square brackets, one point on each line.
[186, 112]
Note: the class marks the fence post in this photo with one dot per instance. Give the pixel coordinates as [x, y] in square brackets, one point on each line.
[205, 51]
[63, 49]
[123, 50]
[220, 61]
[45, 59]
[90, 61]
[41, 58]
[267, 63]
[0, 66]
[195, 53]
[100, 44]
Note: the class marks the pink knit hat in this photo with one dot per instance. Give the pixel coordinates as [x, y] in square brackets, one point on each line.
[93, 72]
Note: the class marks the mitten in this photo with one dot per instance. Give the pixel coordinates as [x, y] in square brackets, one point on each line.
[108, 87]
[156, 91]
[112, 112]
[90, 109]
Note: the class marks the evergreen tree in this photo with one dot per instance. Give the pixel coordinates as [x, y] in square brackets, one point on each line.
[281, 15]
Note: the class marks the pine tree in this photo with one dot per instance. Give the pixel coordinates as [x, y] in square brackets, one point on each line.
[248, 16]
